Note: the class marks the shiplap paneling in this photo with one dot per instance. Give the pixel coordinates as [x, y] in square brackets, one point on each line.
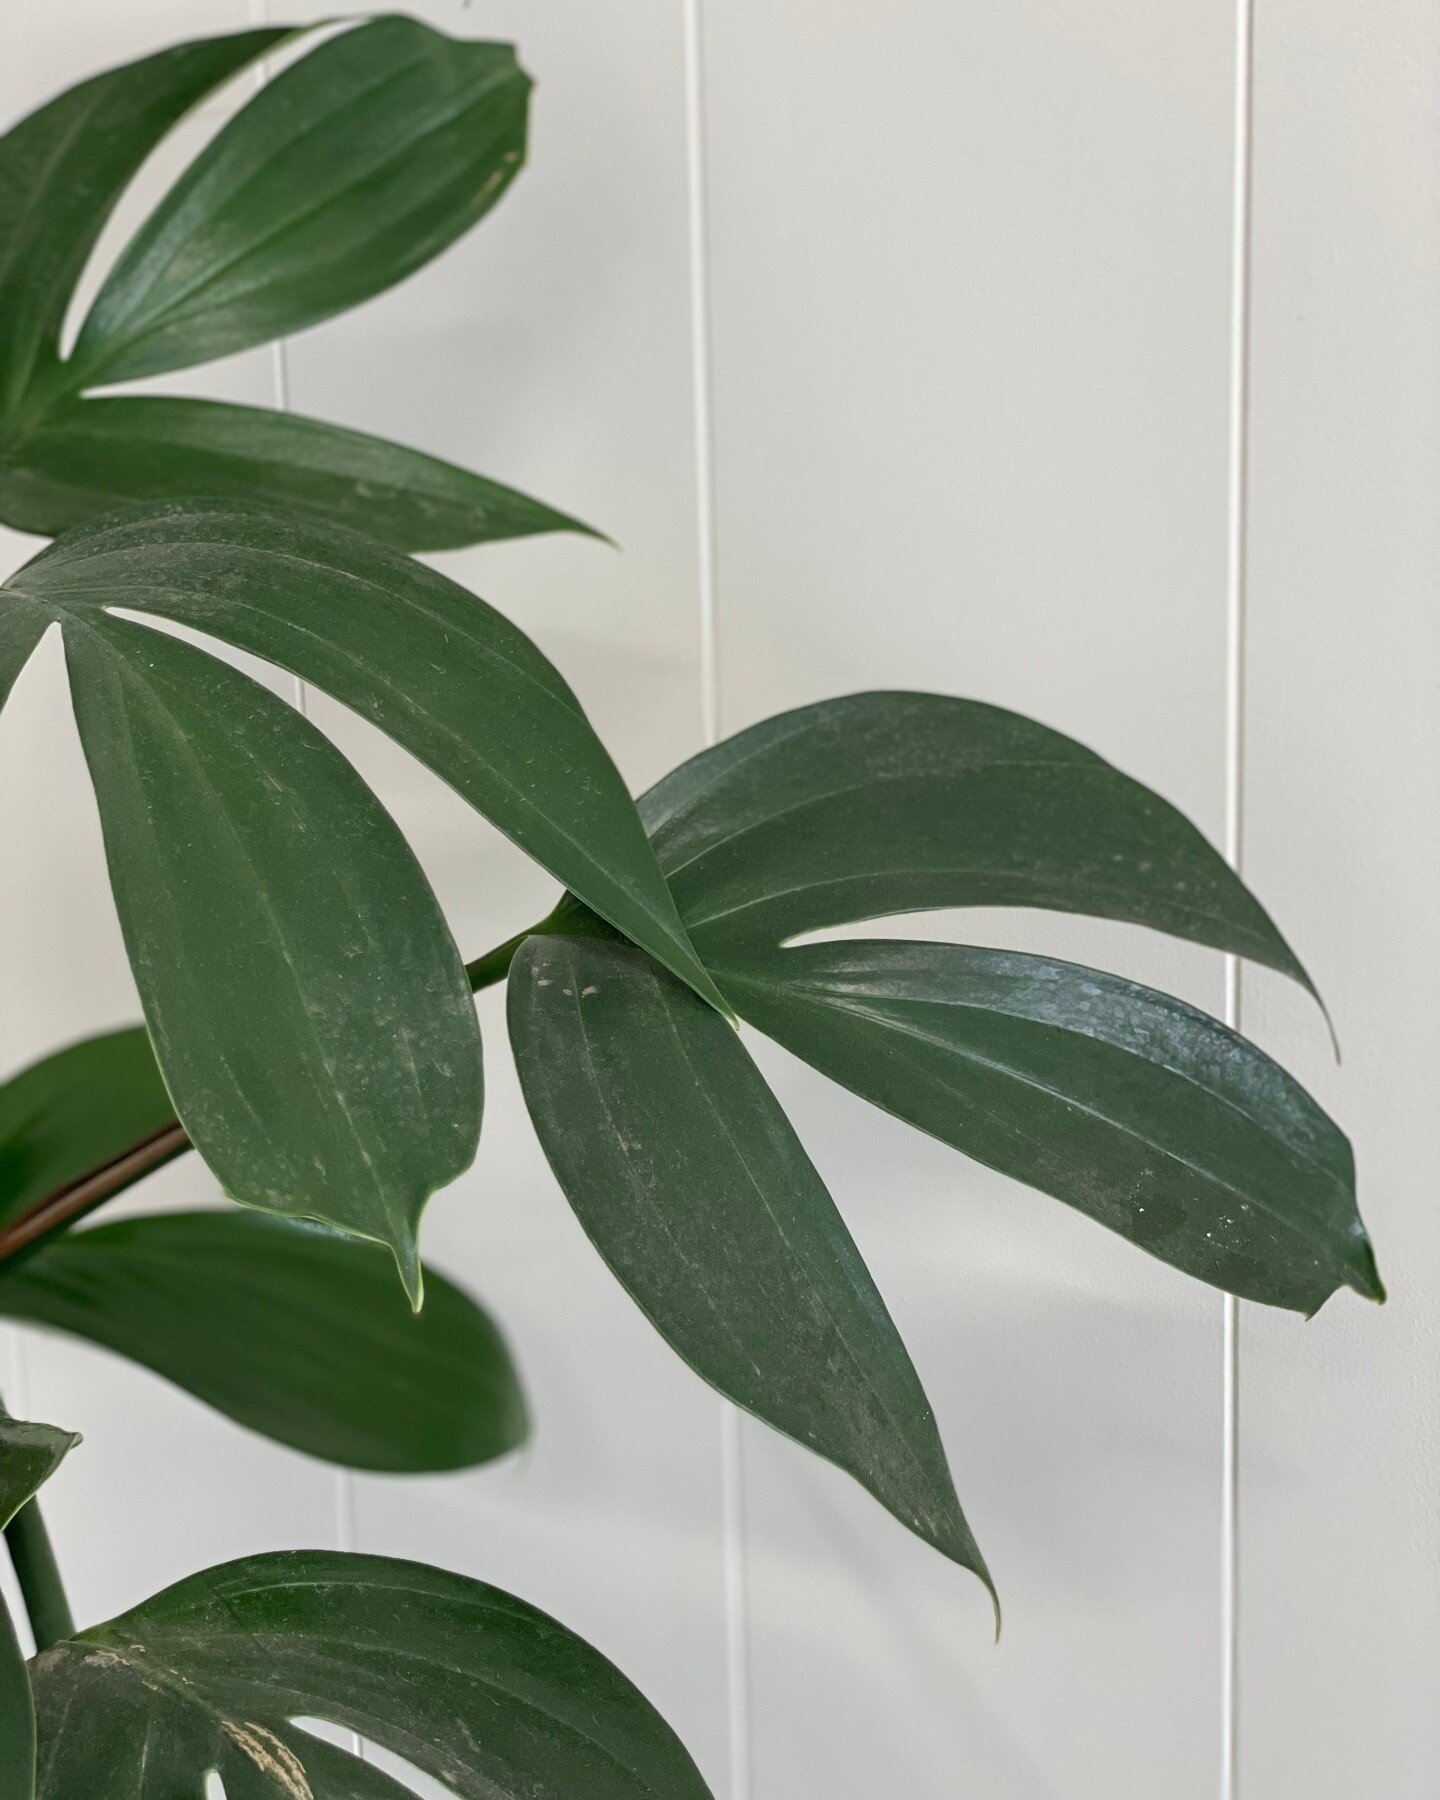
[970, 299]
[971, 350]
[1340, 1553]
[160, 1486]
[551, 349]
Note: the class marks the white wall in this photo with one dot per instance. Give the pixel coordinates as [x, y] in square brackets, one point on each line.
[972, 342]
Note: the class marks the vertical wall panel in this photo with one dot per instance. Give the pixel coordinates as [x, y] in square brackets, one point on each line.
[161, 1486]
[1340, 1554]
[551, 349]
[971, 352]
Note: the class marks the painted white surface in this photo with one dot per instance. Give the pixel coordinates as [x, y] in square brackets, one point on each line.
[971, 336]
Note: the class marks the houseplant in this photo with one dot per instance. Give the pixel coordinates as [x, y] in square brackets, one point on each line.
[308, 1017]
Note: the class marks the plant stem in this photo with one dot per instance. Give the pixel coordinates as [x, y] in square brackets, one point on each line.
[39, 1577]
[494, 965]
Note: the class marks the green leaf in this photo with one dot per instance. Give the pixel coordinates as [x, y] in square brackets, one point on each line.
[17, 1716]
[29, 1455]
[62, 170]
[690, 1182]
[437, 669]
[74, 1111]
[288, 1329]
[357, 164]
[90, 456]
[897, 802]
[308, 1007]
[1142, 1112]
[483, 1693]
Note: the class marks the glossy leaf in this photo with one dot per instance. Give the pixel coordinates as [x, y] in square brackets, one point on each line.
[290, 1330]
[439, 670]
[306, 1001]
[484, 1694]
[1142, 1112]
[17, 1716]
[690, 1182]
[73, 1111]
[62, 170]
[29, 1455]
[90, 456]
[350, 169]
[898, 802]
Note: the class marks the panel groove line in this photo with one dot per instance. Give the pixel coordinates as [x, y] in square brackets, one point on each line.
[1236, 571]
[731, 1424]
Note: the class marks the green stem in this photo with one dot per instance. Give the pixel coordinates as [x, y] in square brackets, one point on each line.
[494, 965]
[568, 917]
[39, 1577]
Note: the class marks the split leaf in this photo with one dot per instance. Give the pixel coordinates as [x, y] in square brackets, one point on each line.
[484, 1694]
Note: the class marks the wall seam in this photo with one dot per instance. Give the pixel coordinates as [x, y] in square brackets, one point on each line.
[1236, 596]
[732, 1467]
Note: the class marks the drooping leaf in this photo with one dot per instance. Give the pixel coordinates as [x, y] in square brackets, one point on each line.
[288, 1329]
[1146, 1114]
[486, 1695]
[690, 1182]
[357, 164]
[307, 1004]
[430, 664]
[87, 457]
[62, 170]
[29, 1455]
[73, 1111]
[17, 1716]
[900, 802]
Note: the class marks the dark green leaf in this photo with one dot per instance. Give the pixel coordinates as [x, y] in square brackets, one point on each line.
[898, 802]
[357, 164]
[17, 1716]
[288, 1329]
[29, 1455]
[1148, 1115]
[90, 456]
[439, 670]
[686, 1174]
[21, 629]
[307, 1004]
[63, 168]
[483, 1693]
[75, 1110]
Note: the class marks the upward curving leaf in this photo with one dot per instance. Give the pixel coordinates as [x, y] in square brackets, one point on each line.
[898, 802]
[348, 171]
[62, 170]
[433, 666]
[486, 1695]
[357, 164]
[308, 1007]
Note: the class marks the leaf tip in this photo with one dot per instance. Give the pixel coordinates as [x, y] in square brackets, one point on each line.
[412, 1271]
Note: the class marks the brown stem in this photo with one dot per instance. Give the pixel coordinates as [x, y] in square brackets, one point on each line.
[77, 1198]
